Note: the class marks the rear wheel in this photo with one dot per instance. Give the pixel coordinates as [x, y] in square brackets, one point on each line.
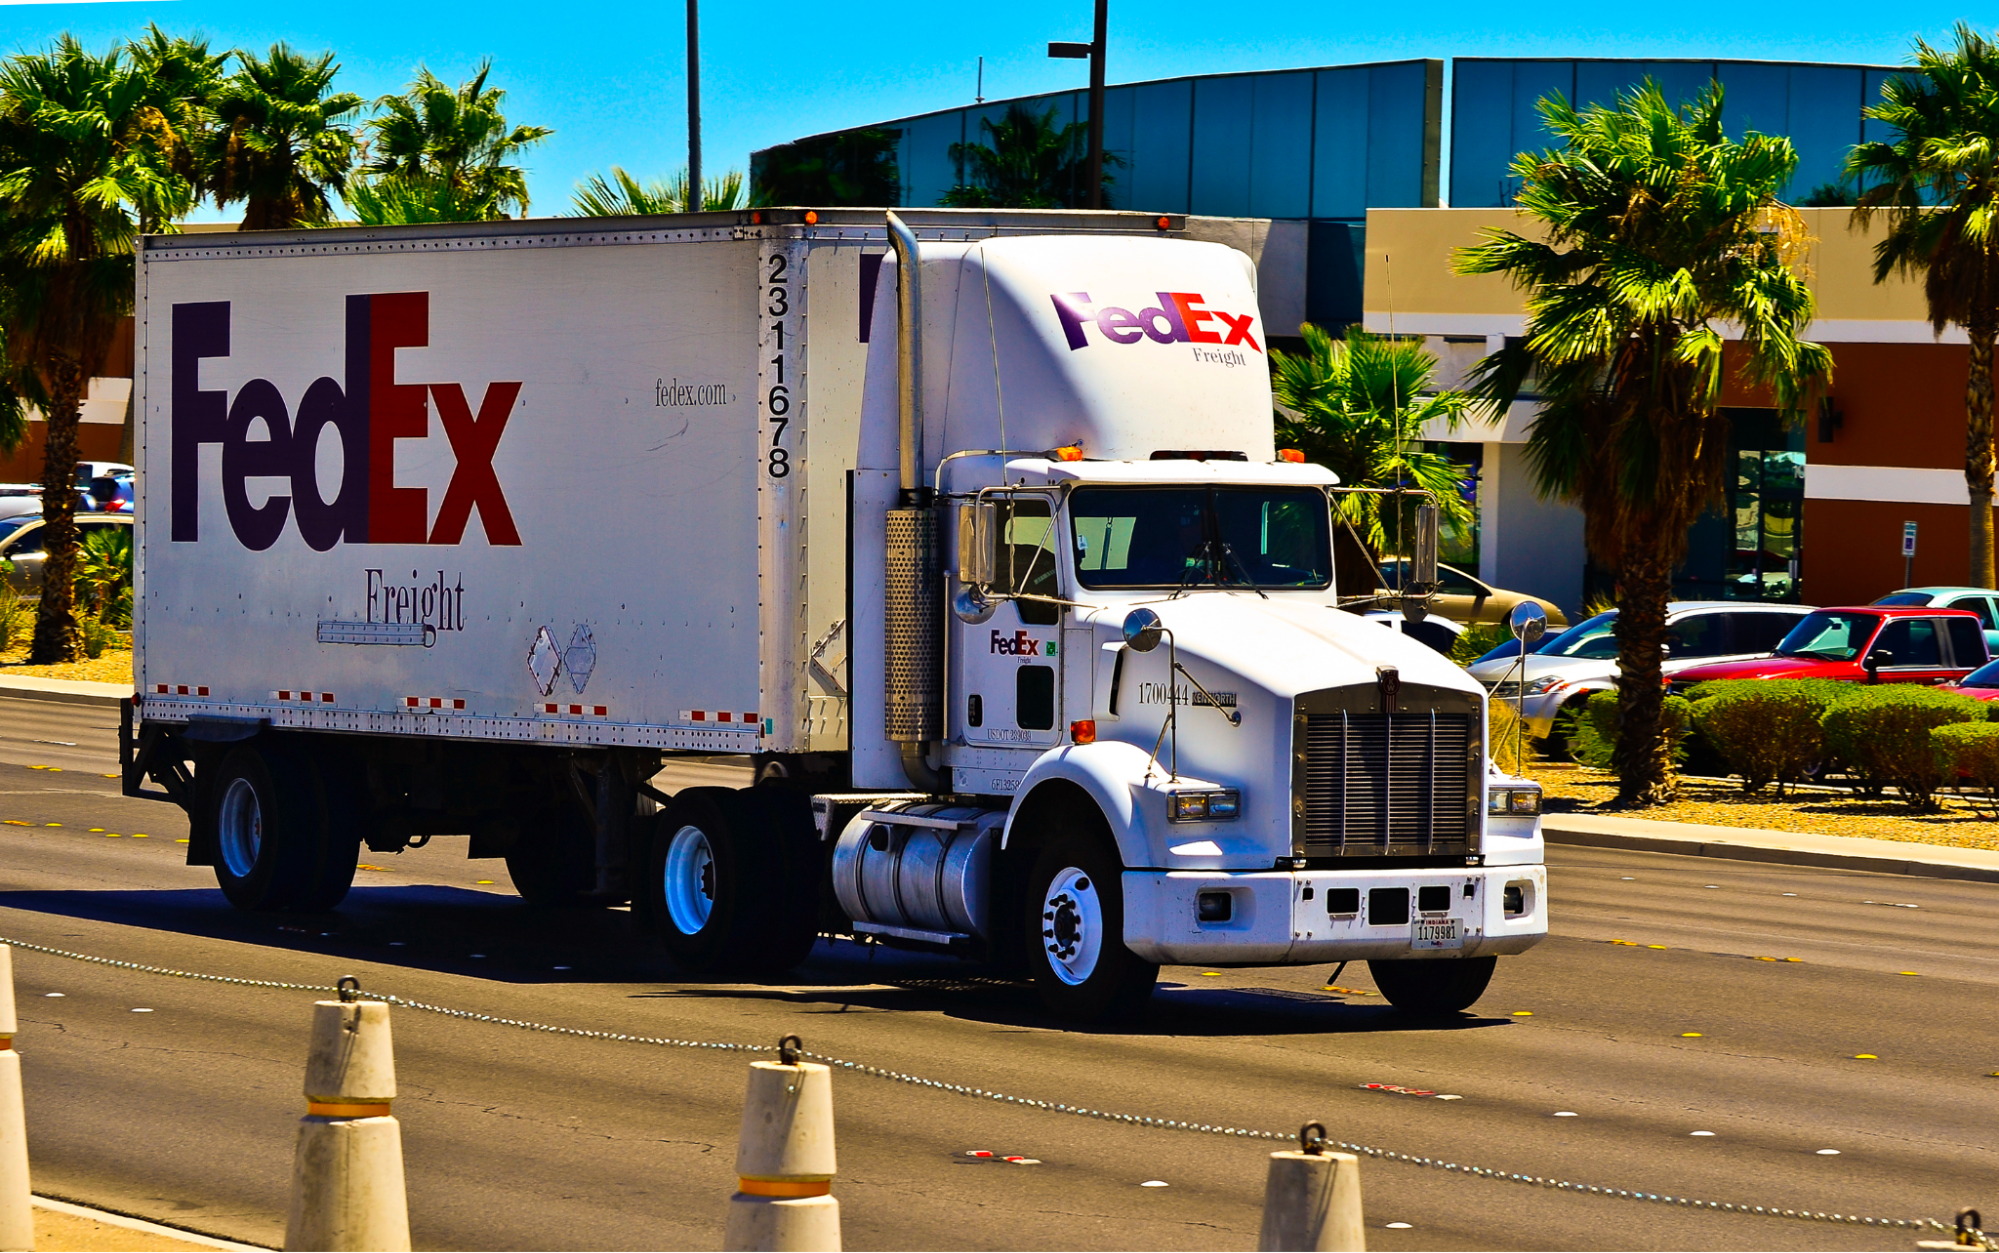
[276, 845]
[732, 884]
[1433, 987]
[1075, 933]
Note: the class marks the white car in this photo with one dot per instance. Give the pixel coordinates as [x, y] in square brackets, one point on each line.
[1563, 671]
[1438, 633]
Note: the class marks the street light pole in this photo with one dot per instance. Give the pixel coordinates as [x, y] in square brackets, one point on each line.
[694, 204]
[1097, 106]
[1094, 50]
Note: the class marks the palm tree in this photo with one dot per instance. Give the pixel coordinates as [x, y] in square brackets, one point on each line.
[278, 145]
[622, 195]
[1358, 406]
[406, 199]
[1937, 183]
[79, 172]
[1657, 232]
[1030, 163]
[183, 75]
[457, 137]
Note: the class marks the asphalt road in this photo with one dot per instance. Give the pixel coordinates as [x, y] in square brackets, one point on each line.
[516, 1139]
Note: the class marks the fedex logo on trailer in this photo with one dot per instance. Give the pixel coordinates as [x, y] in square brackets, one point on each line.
[370, 410]
[1178, 318]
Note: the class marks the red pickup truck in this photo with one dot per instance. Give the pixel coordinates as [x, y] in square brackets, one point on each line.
[1868, 644]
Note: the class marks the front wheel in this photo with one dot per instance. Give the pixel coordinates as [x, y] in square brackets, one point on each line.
[1433, 987]
[1075, 933]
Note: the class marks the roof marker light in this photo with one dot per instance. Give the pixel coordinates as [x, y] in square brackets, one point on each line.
[1291, 455]
[1071, 452]
[812, 217]
[1164, 224]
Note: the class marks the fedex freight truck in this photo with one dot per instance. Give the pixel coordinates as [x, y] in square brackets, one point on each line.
[969, 531]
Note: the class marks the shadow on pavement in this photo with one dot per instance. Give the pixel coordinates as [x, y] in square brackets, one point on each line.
[498, 937]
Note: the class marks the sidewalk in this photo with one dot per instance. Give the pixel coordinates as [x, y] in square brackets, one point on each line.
[68, 691]
[1791, 848]
[61, 1227]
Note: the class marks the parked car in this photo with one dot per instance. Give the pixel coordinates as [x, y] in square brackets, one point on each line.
[1982, 601]
[1438, 633]
[24, 545]
[1462, 598]
[1884, 643]
[1568, 667]
[1981, 684]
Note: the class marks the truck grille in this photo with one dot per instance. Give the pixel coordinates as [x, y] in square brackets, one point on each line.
[1379, 785]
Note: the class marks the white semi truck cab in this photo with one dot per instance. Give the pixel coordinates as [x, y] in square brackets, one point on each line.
[996, 573]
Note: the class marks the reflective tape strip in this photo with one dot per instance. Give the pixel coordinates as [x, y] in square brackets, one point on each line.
[783, 1187]
[6, 1042]
[348, 1109]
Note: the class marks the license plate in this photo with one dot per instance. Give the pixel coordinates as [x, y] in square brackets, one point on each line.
[1438, 933]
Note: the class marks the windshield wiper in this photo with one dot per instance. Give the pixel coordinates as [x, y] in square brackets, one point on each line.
[1196, 559]
[1228, 552]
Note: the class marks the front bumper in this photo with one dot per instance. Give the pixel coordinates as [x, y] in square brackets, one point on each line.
[1280, 917]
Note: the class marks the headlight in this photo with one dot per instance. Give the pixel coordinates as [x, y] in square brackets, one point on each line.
[1541, 686]
[1514, 801]
[1211, 805]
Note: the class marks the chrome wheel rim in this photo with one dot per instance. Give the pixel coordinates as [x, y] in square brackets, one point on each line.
[240, 827]
[689, 880]
[1072, 926]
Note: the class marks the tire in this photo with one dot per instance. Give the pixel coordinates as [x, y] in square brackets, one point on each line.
[1435, 987]
[555, 862]
[731, 887]
[276, 844]
[1074, 921]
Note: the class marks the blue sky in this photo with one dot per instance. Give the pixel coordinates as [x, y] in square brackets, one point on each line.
[610, 76]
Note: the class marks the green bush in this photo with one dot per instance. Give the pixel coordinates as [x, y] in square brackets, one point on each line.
[1969, 750]
[1594, 741]
[97, 636]
[1476, 640]
[1881, 735]
[1766, 730]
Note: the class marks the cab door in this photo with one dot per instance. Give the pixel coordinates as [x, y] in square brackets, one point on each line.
[1008, 689]
[1919, 651]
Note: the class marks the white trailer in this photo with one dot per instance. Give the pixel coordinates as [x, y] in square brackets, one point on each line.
[464, 529]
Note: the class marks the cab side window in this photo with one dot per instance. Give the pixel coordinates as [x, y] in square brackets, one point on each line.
[1027, 557]
[1761, 632]
[1967, 643]
[1913, 641]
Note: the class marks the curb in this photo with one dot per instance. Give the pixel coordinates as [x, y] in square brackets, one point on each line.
[1696, 846]
[64, 691]
[111, 1218]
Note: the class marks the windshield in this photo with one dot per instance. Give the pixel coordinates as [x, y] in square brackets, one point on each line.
[1186, 537]
[1826, 636]
[1986, 675]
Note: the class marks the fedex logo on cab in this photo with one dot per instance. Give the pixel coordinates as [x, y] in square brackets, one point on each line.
[1179, 317]
[369, 409]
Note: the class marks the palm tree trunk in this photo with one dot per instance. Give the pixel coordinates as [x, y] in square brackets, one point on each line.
[57, 637]
[1978, 453]
[1644, 758]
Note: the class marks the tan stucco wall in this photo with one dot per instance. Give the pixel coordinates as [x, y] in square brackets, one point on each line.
[1409, 272]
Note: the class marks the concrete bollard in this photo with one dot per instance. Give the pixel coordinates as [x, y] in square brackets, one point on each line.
[347, 1177]
[17, 1215]
[1312, 1198]
[784, 1160]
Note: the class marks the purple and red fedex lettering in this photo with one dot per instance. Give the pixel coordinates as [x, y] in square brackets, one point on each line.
[371, 412]
[1178, 318]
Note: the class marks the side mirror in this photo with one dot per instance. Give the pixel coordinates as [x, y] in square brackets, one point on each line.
[1429, 531]
[978, 543]
[1527, 622]
[972, 606]
[1874, 661]
[1142, 630]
